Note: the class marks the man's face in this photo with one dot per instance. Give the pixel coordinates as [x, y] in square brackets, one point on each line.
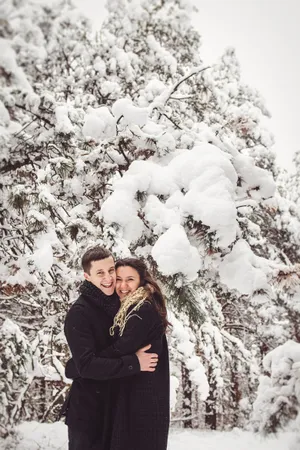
[103, 275]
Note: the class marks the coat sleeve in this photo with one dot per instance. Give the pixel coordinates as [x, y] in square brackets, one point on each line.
[138, 332]
[88, 364]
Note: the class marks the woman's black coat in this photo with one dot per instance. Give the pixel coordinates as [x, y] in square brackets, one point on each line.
[141, 414]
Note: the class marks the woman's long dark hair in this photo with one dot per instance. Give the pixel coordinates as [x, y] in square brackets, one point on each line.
[147, 281]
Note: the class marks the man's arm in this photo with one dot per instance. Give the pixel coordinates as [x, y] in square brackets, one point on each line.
[82, 346]
[148, 363]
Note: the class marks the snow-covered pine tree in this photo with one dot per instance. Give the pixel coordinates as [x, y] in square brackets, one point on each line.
[17, 370]
[277, 406]
[292, 181]
[39, 168]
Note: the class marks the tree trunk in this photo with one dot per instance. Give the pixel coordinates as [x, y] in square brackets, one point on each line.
[210, 404]
[187, 397]
[236, 396]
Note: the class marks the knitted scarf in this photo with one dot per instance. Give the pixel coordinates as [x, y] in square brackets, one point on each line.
[109, 303]
[129, 306]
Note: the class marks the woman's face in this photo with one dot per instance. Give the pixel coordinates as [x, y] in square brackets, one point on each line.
[128, 280]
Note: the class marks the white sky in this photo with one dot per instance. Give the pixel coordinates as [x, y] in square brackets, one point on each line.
[266, 36]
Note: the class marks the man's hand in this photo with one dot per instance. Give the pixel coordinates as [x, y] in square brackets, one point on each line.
[148, 361]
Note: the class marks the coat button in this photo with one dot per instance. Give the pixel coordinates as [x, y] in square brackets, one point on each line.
[130, 367]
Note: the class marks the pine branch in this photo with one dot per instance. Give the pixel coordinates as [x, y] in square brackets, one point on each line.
[182, 419]
[35, 115]
[19, 401]
[182, 98]
[25, 126]
[185, 299]
[20, 324]
[169, 118]
[48, 410]
[11, 167]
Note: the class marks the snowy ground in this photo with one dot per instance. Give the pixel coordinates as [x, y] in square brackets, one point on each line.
[35, 436]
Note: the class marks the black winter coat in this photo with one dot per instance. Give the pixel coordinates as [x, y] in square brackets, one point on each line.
[141, 411]
[88, 407]
[141, 419]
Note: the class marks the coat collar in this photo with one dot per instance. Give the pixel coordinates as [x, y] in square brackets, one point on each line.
[109, 303]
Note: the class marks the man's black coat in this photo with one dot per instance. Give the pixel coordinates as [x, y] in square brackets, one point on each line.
[88, 407]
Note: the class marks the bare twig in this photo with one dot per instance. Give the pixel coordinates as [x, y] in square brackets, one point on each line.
[174, 88]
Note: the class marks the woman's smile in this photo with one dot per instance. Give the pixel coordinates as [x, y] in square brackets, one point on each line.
[128, 280]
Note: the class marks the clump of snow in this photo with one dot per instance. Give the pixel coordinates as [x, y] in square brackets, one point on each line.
[4, 115]
[241, 269]
[166, 141]
[159, 215]
[23, 275]
[209, 178]
[154, 88]
[33, 101]
[131, 114]
[254, 177]
[198, 376]
[147, 176]
[119, 208]
[174, 253]
[9, 64]
[100, 66]
[110, 88]
[45, 195]
[162, 55]
[36, 216]
[43, 255]
[63, 123]
[278, 361]
[99, 124]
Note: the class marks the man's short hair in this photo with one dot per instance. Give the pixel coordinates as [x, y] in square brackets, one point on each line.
[94, 254]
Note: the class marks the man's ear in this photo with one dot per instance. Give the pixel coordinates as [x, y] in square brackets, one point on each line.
[86, 276]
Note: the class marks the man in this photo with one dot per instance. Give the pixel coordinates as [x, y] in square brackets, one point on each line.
[88, 408]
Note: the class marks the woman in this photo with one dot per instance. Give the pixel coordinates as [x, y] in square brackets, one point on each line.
[141, 418]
